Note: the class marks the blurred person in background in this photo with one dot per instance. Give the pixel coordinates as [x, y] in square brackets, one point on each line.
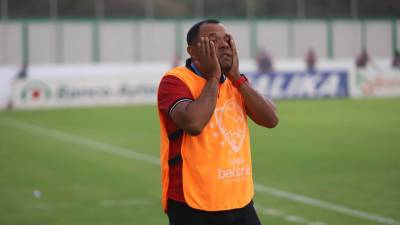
[23, 72]
[264, 61]
[310, 60]
[396, 59]
[205, 144]
[362, 59]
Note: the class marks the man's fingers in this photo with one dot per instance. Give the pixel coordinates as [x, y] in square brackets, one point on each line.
[232, 44]
[207, 60]
[213, 50]
[202, 47]
[235, 63]
[207, 46]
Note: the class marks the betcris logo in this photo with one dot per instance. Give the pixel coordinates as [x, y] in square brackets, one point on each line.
[301, 84]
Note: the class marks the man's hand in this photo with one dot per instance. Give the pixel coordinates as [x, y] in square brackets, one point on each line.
[193, 116]
[233, 73]
[261, 110]
[207, 60]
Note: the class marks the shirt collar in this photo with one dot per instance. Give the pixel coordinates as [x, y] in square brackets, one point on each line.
[196, 71]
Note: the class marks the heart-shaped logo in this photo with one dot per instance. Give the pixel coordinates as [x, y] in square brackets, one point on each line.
[231, 123]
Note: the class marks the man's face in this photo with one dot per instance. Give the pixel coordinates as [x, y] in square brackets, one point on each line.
[221, 39]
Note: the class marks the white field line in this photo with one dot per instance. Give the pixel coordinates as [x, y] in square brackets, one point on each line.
[102, 203]
[323, 204]
[48, 206]
[70, 138]
[129, 153]
[285, 216]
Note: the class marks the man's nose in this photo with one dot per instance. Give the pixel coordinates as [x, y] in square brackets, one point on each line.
[222, 43]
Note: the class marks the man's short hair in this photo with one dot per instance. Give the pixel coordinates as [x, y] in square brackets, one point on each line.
[194, 30]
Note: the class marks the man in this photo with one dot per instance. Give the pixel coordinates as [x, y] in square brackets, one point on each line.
[205, 146]
[311, 60]
[362, 59]
[396, 59]
[264, 61]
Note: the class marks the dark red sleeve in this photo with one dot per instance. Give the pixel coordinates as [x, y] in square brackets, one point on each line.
[171, 91]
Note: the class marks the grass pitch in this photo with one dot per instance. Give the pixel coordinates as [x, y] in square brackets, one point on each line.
[81, 167]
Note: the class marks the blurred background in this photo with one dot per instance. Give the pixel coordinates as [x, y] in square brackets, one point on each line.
[73, 31]
[78, 118]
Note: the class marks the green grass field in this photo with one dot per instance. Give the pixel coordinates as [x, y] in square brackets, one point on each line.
[82, 167]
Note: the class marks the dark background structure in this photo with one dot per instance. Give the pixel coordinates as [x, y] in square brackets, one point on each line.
[200, 8]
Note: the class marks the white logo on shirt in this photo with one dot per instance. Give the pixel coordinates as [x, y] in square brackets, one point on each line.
[231, 122]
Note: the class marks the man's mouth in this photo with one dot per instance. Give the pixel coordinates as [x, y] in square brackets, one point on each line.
[226, 55]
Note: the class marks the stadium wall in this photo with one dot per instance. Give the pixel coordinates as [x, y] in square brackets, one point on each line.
[133, 40]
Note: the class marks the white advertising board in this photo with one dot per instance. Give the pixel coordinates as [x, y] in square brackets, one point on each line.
[90, 91]
[136, 83]
[375, 83]
[81, 85]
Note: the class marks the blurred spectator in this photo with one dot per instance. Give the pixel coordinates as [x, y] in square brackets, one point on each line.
[23, 72]
[264, 61]
[396, 59]
[362, 59]
[21, 75]
[311, 60]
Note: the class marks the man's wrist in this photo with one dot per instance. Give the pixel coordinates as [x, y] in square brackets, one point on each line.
[234, 77]
[213, 78]
[241, 80]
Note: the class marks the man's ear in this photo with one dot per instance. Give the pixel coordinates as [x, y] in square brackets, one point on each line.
[190, 50]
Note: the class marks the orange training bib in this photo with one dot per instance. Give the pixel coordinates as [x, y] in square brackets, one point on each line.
[217, 169]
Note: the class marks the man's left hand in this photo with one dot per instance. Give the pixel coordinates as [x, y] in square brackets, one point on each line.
[233, 73]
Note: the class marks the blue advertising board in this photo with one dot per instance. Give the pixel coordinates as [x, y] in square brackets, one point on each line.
[301, 84]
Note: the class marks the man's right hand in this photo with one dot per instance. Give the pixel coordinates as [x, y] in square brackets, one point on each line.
[207, 60]
[193, 116]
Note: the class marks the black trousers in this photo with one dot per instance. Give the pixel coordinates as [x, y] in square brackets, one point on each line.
[181, 214]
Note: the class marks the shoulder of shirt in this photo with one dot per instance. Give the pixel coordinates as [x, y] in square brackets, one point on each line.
[169, 80]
